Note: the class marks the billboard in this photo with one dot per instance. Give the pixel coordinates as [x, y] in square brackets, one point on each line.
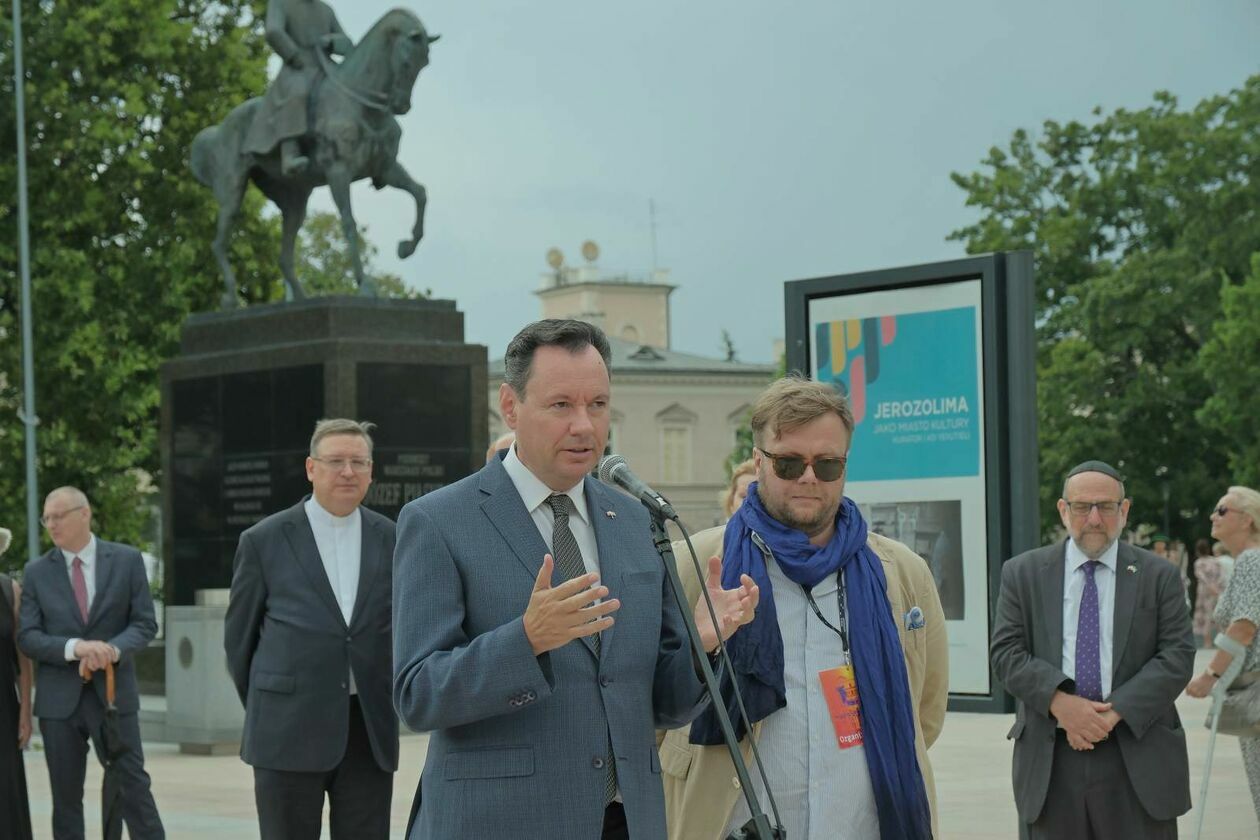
[925, 355]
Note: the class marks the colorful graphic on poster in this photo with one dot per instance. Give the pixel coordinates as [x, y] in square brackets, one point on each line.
[912, 382]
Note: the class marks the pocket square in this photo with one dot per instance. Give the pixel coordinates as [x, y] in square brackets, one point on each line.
[914, 619]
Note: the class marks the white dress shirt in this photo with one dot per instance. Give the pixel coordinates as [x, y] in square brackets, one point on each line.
[534, 494]
[340, 543]
[823, 792]
[1073, 587]
[88, 558]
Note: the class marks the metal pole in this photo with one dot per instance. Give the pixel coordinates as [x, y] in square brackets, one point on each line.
[24, 258]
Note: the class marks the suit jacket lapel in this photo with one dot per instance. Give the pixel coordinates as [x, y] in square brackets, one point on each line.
[104, 574]
[371, 558]
[1050, 582]
[506, 512]
[1125, 600]
[61, 580]
[297, 530]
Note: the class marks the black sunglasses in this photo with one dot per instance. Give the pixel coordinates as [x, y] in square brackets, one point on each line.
[792, 467]
[1221, 510]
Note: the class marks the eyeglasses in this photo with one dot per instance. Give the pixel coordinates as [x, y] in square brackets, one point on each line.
[1104, 508]
[1221, 510]
[359, 465]
[792, 467]
[50, 519]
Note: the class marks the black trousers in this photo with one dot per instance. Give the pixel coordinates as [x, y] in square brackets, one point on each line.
[65, 751]
[291, 803]
[1091, 798]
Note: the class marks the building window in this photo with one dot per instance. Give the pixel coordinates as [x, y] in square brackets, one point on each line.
[675, 454]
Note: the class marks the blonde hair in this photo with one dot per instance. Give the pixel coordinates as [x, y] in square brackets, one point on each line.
[1248, 502]
[728, 495]
[793, 401]
[6, 537]
[341, 426]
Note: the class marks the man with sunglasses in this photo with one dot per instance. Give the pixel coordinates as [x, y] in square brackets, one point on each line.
[845, 615]
[309, 644]
[1093, 639]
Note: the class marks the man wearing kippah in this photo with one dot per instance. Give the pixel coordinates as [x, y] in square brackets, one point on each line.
[1093, 639]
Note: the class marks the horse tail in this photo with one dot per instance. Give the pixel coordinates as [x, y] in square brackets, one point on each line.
[202, 159]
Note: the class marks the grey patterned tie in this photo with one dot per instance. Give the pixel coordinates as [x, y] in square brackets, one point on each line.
[568, 556]
[565, 550]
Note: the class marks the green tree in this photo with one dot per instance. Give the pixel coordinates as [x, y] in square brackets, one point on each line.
[324, 267]
[120, 232]
[1230, 361]
[1135, 220]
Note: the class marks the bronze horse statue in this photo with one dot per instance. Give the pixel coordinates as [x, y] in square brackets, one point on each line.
[353, 136]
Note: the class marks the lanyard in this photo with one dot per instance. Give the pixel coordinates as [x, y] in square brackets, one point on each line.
[843, 629]
[809, 596]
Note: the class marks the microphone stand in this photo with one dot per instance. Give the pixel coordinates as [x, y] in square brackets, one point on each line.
[757, 828]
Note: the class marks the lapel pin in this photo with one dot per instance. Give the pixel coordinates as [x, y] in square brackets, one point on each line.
[611, 514]
[1132, 569]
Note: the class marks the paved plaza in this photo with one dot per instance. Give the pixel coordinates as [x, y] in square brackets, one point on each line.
[212, 798]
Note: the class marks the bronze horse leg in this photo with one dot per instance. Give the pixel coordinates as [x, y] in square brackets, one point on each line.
[229, 190]
[339, 179]
[396, 176]
[291, 197]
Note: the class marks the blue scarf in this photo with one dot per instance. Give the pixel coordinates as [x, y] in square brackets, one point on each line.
[756, 652]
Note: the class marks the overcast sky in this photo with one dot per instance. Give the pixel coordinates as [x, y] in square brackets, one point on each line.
[778, 141]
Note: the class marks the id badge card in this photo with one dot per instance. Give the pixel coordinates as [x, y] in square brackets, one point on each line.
[839, 686]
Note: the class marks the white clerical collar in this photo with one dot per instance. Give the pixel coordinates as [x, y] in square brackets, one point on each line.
[534, 492]
[316, 513]
[1077, 558]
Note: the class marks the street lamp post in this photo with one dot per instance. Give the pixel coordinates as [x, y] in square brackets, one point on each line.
[29, 420]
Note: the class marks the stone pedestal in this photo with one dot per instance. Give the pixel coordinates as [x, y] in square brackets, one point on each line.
[241, 400]
[203, 713]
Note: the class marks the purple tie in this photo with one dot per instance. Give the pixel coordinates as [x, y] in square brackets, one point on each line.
[80, 588]
[1088, 667]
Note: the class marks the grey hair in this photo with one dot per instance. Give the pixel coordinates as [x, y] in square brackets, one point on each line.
[574, 336]
[341, 426]
[74, 493]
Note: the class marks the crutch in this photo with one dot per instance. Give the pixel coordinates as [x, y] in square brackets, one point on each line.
[1239, 653]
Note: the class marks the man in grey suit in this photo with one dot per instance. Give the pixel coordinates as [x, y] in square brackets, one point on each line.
[1093, 639]
[86, 604]
[307, 638]
[543, 711]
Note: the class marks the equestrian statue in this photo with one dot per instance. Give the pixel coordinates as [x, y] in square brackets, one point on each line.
[319, 123]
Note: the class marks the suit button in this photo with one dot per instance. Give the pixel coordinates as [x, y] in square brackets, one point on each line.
[597, 763]
[605, 681]
[343, 685]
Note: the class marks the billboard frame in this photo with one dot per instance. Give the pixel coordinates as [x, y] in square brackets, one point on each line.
[1008, 349]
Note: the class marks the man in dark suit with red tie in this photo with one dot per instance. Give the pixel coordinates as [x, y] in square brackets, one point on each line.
[1093, 639]
[86, 604]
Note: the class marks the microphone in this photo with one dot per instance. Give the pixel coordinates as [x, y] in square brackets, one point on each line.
[614, 470]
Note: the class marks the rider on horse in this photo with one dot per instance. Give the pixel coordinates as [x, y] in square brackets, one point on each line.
[298, 30]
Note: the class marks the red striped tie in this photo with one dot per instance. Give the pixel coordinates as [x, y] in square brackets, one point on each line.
[80, 588]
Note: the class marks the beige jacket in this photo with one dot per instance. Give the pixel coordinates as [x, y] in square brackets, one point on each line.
[700, 785]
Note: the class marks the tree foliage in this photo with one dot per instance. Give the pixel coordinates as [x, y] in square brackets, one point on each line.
[115, 92]
[1231, 362]
[324, 266]
[1137, 220]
